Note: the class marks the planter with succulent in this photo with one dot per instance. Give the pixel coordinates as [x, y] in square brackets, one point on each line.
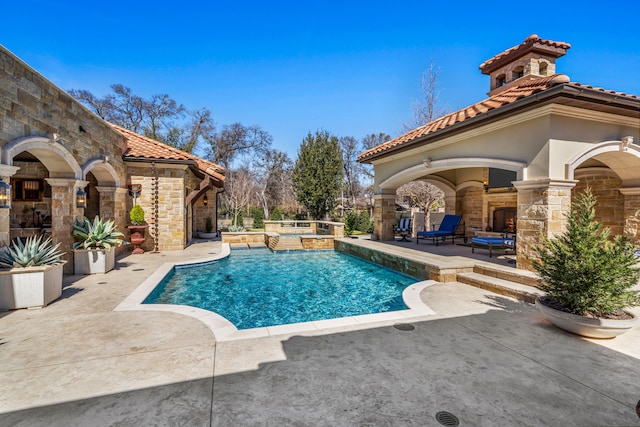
[94, 249]
[30, 273]
[138, 228]
[208, 230]
[589, 279]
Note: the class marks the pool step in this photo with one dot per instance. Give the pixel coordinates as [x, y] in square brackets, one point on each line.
[523, 292]
[288, 243]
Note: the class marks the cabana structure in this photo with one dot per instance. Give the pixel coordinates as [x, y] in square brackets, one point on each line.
[515, 160]
[62, 162]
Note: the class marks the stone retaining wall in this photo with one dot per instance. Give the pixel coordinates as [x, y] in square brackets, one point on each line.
[421, 269]
[244, 237]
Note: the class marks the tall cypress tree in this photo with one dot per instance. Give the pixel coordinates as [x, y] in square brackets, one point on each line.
[317, 174]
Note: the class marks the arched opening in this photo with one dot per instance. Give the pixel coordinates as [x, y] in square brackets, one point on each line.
[517, 72]
[543, 67]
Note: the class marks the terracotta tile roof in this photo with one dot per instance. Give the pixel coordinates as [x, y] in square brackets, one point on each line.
[141, 147]
[531, 42]
[524, 89]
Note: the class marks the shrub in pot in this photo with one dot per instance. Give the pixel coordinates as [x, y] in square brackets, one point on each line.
[208, 227]
[30, 273]
[588, 277]
[137, 227]
[94, 241]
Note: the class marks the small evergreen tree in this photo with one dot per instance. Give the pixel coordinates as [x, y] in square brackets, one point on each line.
[258, 217]
[585, 272]
[350, 223]
[276, 214]
[363, 221]
[317, 174]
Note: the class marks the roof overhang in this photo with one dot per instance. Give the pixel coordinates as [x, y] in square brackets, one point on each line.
[567, 94]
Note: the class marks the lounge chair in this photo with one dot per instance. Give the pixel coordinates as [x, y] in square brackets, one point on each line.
[448, 227]
[503, 242]
[404, 229]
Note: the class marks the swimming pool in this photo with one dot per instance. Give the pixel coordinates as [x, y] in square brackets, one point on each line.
[257, 288]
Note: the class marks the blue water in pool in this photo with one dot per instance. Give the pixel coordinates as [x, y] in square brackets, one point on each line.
[256, 287]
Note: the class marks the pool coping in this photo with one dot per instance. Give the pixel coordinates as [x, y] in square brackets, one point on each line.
[223, 330]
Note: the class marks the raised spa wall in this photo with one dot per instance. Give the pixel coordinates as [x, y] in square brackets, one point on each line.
[422, 268]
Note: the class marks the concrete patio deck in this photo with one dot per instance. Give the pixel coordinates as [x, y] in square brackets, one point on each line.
[487, 359]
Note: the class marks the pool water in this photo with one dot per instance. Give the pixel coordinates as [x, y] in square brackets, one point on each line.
[256, 287]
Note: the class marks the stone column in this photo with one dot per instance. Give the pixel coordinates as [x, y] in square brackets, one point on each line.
[542, 209]
[6, 172]
[63, 213]
[450, 205]
[417, 222]
[384, 214]
[632, 213]
[112, 206]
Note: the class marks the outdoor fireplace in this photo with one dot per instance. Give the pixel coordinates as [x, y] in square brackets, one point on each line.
[504, 220]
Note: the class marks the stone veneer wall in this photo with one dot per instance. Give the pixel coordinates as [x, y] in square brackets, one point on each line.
[201, 212]
[317, 242]
[30, 105]
[411, 267]
[171, 208]
[610, 209]
[469, 203]
[541, 212]
[384, 216]
[244, 237]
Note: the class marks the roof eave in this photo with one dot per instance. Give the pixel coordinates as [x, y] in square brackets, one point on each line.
[492, 115]
[192, 164]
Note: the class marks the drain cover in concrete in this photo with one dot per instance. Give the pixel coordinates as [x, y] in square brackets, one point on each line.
[447, 419]
[404, 326]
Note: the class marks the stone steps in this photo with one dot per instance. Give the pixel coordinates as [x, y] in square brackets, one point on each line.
[288, 243]
[523, 292]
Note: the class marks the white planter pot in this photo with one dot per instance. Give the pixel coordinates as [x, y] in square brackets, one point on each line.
[31, 286]
[587, 326]
[93, 261]
[205, 235]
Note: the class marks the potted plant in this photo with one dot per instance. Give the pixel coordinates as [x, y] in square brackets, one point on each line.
[30, 273]
[208, 227]
[588, 277]
[137, 228]
[94, 240]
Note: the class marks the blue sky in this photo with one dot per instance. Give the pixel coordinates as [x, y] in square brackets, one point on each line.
[351, 68]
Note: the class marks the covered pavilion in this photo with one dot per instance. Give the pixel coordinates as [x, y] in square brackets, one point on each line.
[516, 159]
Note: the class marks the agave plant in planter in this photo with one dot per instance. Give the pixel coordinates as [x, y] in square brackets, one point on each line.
[30, 274]
[588, 277]
[94, 241]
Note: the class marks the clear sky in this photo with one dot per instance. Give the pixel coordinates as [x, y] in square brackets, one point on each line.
[351, 68]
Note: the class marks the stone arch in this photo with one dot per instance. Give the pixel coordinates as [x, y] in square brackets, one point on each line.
[430, 167]
[52, 155]
[622, 157]
[103, 171]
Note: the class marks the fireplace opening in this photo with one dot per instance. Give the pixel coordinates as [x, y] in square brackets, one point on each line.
[504, 220]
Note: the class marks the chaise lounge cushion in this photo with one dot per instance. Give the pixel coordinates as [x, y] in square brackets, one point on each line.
[448, 227]
[492, 242]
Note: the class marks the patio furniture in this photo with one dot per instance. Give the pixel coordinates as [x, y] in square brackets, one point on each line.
[448, 227]
[404, 229]
[503, 242]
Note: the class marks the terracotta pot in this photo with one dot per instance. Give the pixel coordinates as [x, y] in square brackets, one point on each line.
[587, 326]
[137, 236]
